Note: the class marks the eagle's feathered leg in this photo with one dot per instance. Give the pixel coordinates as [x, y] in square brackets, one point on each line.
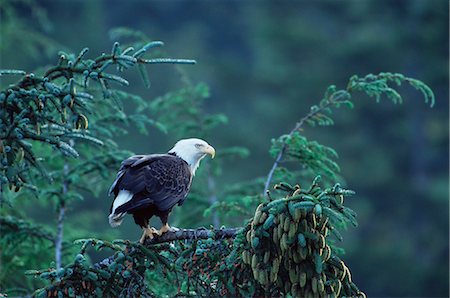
[164, 220]
[165, 228]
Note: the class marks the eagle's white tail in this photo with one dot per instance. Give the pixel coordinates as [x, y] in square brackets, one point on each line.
[116, 219]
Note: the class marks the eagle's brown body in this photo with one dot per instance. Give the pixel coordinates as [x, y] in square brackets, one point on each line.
[157, 183]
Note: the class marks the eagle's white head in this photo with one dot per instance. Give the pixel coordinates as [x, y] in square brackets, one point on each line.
[192, 151]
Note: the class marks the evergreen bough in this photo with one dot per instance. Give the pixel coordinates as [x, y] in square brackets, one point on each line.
[51, 109]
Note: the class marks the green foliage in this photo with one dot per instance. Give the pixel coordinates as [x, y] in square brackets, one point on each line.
[238, 200]
[51, 108]
[372, 85]
[378, 85]
[23, 244]
[22, 230]
[72, 109]
[181, 112]
[315, 157]
[132, 271]
[78, 278]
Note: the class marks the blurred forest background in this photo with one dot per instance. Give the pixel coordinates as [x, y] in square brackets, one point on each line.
[266, 63]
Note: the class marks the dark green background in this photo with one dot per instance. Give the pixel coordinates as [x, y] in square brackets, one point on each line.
[266, 63]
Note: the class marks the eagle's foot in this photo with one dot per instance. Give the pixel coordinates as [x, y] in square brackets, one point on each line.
[166, 228]
[148, 232]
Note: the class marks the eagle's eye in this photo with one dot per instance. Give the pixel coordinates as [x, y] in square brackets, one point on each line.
[198, 146]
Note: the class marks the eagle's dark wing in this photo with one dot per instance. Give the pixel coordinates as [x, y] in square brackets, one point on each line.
[123, 167]
[160, 179]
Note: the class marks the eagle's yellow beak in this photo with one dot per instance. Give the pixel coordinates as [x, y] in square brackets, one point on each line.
[210, 150]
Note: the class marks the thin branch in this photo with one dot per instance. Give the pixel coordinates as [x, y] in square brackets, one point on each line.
[166, 60]
[61, 216]
[60, 225]
[299, 124]
[59, 235]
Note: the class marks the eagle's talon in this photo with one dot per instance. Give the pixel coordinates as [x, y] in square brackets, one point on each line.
[166, 228]
[148, 232]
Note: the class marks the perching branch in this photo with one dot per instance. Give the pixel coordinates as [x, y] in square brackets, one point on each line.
[190, 234]
[184, 234]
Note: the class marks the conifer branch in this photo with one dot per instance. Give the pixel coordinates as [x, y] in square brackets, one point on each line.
[375, 86]
[182, 234]
[52, 108]
[193, 234]
[310, 115]
[13, 225]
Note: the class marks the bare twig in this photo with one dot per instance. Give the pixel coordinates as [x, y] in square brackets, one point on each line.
[61, 215]
[59, 234]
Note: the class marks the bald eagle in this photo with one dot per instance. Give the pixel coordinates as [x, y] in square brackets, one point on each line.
[151, 185]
